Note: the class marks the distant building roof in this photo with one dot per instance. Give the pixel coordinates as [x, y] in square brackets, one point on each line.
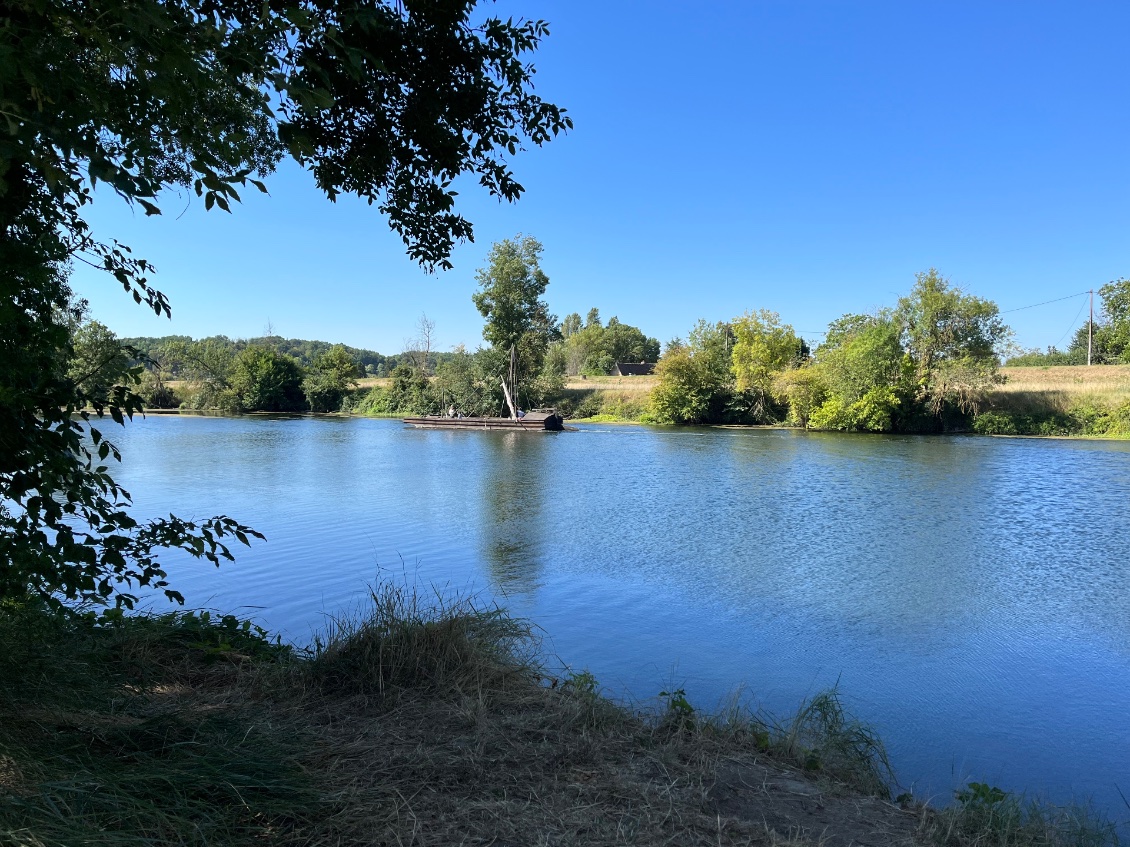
[634, 369]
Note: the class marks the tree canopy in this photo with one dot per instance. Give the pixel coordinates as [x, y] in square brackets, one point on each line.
[387, 100]
[511, 288]
[924, 365]
[592, 348]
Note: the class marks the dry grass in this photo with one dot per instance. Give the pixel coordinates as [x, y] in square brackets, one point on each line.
[415, 723]
[632, 384]
[1102, 380]
[374, 382]
[487, 749]
[1060, 390]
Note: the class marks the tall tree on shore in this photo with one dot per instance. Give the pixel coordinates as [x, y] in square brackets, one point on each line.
[954, 339]
[329, 378]
[511, 287]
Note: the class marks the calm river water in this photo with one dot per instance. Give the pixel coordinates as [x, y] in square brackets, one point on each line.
[970, 595]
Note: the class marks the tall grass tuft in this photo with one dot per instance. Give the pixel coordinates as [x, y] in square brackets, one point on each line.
[405, 640]
[823, 737]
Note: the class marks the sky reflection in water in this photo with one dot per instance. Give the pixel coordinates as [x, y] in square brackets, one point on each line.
[970, 595]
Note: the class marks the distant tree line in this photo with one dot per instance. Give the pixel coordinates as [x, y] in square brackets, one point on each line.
[925, 364]
[213, 373]
[590, 348]
[162, 350]
[1109, 336]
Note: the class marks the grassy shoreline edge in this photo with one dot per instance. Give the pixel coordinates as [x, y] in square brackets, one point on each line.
[427, 723]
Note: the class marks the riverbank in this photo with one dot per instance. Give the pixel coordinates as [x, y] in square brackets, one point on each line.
[1047, 401]
[423, 726]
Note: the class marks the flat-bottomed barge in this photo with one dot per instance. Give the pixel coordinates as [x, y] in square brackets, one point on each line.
[531, 422]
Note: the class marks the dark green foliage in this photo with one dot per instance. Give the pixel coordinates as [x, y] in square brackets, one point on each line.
[99, 361]
[695, 379]
[329, 378]
[469, 382]
[408, 394]
[925, 366]
[266, 381]
[65, 530]
[592, 348]
[168, 351]
[1078, 420]
[386, 102]
[96, 751]
[156, 393]
[1004, 423]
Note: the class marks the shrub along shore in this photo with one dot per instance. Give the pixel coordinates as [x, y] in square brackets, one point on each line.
[1046, 401]
[426, 725]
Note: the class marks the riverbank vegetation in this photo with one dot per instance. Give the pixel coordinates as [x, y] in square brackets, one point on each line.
[416, 723]
[924, 365]
[929, 364]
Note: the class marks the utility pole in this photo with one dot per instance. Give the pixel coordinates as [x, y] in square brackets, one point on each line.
[1090, 327]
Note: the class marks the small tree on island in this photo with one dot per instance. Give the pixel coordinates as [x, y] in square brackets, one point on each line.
[511, 286]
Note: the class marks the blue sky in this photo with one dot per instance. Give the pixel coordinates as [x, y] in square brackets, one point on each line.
[805, 157]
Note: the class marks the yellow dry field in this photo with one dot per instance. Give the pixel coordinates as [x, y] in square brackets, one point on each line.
[375, 382]
[1074, 379]
[1063, 387]
[611, 383]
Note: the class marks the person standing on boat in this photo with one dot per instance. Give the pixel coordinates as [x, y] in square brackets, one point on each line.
[451, 411]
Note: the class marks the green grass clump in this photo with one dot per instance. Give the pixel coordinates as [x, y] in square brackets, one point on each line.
[986, 816]
[404, 641]
[1082, 419]
[140, 731]
[823, 737]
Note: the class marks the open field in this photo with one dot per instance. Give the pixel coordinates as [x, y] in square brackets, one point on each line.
[1062, 388]
[1075, 379]
[375, 382]
[611, 383]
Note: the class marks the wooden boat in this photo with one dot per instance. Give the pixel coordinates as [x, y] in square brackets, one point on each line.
[541, 420]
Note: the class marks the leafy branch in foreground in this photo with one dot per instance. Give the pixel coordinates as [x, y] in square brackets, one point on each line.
[390, 101]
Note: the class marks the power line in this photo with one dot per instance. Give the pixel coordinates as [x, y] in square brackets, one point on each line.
[1034, 305]
[1077, 314]
[1004, 312]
